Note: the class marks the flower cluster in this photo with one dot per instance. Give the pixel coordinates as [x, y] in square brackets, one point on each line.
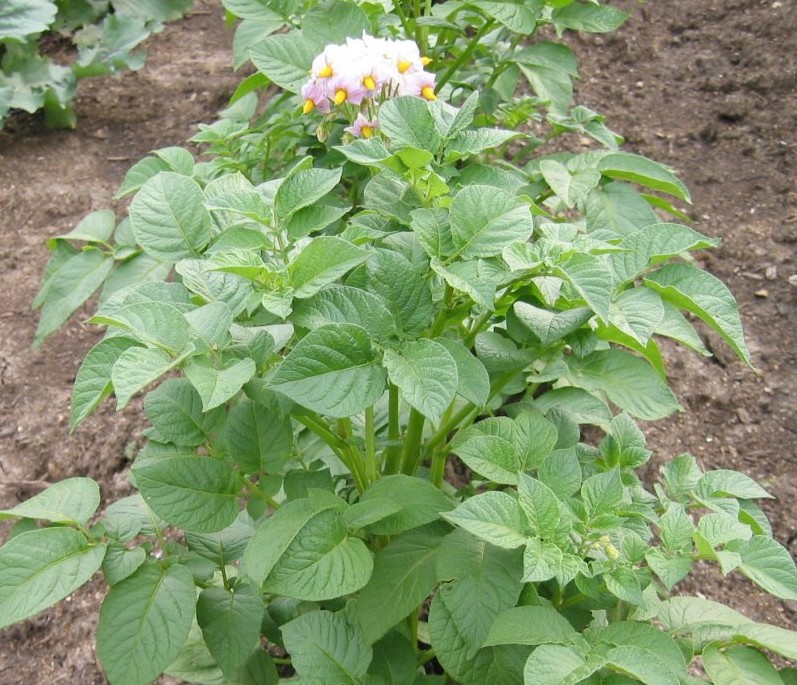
[363, 70]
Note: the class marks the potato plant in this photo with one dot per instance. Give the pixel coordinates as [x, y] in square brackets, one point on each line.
[371, 362]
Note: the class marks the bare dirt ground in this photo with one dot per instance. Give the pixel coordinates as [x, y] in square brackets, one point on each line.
[707, 87]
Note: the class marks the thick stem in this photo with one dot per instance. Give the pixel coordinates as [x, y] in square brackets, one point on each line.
[371, 467]
[393, 450]
[411, 456]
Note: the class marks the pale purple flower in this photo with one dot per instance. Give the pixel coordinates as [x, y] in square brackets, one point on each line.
[362, 127]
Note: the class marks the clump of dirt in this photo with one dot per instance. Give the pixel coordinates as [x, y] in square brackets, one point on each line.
[704, 87]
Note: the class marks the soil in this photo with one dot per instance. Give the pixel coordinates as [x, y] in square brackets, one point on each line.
[707, 88]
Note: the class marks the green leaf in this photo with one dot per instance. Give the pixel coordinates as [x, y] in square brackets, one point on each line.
[550, 326]
[655, 243]
[602, 493]
[531, 625]
[304, 188]
[773, 638]
[589, 18]
[197, 494]
[473, 381]
[407, 122]
[550, 68]
[402, 285]
[540, 505]
[467, 143]
[737, 665]
[637, 313]
[617, 208]
[542, 560]
[624, 584]
[394, 660]
[645, 172]
[69, 287]
[344, 304]
[404, 575]
[144, 623]
[495, 517]
[520, 17]
[175, 410]
[418, 500]
[728, 483]
[41, 567]
[169, 219]
[484, 581]
[704, 295]
[139, 174]
[768, 564]
[312, 219]
[432, 227]
[304, 551]
[559, 665]
[332, 370]
[684, 613]
[571, 187]
[426, 374]
[156, 324]
[93, 380]
[257, 438]
[216, 386]
[323, 261]
[644, 665]
[492, 456]
[120, 562]
[591, 277]
[71, 500]
[485, 220]
[285, 58]
[325, 648]
[22, 18]
[350, 22]
[136, 368]
[626, 380]
[365, 151]
[230, 622]
[643, 636]
[96, 227]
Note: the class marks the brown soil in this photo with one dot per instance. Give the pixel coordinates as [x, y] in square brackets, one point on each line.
[706, 87]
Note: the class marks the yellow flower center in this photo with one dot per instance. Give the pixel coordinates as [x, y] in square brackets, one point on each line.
[340, 96]
[369, 83]
[427, 92]
[367, 131]
[425, 61]
[326, 72]
[308, 107]
[403, 65]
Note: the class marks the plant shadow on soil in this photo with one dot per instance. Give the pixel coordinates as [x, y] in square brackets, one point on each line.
[703, 87]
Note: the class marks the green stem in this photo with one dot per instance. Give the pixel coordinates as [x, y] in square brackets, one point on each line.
[317, 426]
[255, 489]
[393, 451]
[419, 32]
[426, 657]
[371, 467]
[402, 17]
[358, 468]
[411, 457]
[466, 53]
[477, 327]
